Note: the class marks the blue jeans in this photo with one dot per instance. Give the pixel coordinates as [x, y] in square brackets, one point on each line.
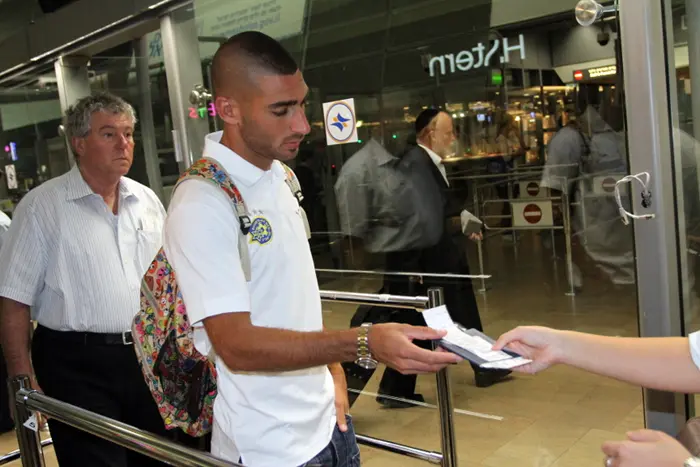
[342, 451]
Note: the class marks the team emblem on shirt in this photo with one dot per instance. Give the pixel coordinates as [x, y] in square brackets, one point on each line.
[260, 231]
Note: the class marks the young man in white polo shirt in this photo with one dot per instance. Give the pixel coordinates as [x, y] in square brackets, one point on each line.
[278, 403]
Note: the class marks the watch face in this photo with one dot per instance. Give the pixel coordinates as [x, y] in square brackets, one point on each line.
[366, 363]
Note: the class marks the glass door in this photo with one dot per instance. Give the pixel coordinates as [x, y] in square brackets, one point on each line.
[682, 26]
[549, 116]
[661, 142]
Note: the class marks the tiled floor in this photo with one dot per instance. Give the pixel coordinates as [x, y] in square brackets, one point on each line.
[558, 418]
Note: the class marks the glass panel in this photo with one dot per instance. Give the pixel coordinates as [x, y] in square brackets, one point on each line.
[538, 120]
[32, 148]
[683, 30]
[117, 70]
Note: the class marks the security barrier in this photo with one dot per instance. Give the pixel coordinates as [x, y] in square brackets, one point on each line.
[533, 212]
[444, 397]
[156, 447]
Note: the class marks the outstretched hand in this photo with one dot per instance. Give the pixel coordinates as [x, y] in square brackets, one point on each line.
[645, 448]
[543, 346]
[392, 344]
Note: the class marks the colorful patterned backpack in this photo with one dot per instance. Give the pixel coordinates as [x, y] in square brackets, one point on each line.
[181, 379]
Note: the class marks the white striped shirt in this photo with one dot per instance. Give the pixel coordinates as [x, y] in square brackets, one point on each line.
[73, 261]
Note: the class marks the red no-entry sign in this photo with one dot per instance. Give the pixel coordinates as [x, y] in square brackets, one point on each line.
[532, 213]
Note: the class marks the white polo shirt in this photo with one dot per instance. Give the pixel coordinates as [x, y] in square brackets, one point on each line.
[694, 340]
[273, 419]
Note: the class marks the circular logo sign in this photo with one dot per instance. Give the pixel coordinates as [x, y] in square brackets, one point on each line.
[532, 213]
[533, 189]
[609, 184]
[340, 122]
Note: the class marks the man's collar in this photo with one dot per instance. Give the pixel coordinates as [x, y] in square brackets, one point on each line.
[436, 159]
[78, 187]
[239, 168]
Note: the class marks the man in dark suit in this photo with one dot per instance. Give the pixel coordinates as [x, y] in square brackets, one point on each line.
[435, 139]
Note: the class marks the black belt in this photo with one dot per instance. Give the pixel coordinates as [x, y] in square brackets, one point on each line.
[87, 338]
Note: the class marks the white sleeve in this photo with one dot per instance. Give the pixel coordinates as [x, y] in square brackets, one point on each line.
[352, 197]
[563, 157]
[23, 256]
[694, 339]
[201, 243]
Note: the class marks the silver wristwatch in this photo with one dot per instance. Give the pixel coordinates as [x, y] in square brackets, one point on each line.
[692, 462]
[364, 356]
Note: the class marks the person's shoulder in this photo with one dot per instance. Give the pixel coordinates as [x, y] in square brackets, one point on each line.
[414, 154]
[50, 193]
[199, 194]
[5, 221]
[414, 151]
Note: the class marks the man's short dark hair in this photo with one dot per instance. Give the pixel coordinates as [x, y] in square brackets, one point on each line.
[251, 49]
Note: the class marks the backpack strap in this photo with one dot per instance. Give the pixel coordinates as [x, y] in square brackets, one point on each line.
[293, 183]
[210, 170]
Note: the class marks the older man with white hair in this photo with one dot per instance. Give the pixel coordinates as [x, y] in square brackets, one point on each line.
[75, 253]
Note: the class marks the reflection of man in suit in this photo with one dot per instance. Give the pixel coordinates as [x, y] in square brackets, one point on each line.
[435, 140]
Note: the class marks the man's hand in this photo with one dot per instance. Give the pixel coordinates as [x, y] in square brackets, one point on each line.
[392, 344]
[41, 420]
[543, 346]
[646, 448]
[475, 237]
[342, 406]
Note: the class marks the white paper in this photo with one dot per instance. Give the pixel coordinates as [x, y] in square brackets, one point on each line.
[32, 423]
[476, 345]
[438, 318]
[507, 364]
[467, 218]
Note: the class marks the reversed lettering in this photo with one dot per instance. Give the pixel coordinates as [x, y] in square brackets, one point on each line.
[465, 60]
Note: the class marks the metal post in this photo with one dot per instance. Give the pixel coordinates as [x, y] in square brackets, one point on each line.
[444, 396]
[566, 210]
[28, 440]
[479, 245]
[146, 123]
[582, 206]
[554, 250]
[510, 205]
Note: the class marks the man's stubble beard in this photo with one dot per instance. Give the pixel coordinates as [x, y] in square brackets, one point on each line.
[258, 145]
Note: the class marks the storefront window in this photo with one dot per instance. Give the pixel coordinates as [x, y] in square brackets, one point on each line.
[33, 151]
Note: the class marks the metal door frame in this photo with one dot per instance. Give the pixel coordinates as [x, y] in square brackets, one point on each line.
[658, 246]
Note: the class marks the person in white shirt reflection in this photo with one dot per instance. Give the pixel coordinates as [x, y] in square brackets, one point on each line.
[663, 364]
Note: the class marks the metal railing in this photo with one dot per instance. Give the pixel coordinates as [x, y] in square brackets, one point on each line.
[28, 401]
[148, 444]
[448, 457]
[14, 455]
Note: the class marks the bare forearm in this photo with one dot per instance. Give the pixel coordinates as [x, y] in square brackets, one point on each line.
[267, 349]
[14, 337]
[656, 363]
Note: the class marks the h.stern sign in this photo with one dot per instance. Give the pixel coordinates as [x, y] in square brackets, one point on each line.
[477, 56]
